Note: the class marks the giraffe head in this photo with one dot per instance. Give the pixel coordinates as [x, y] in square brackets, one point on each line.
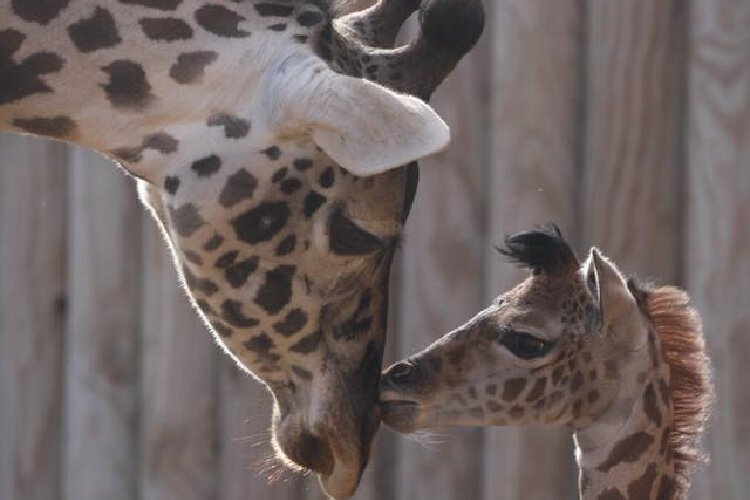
[270, 139]
[285, 239]
[531, 357]
[574, 344]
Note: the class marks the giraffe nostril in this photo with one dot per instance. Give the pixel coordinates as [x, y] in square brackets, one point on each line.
[403, 373]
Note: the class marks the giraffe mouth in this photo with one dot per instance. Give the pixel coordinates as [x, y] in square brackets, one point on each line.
[400, 414]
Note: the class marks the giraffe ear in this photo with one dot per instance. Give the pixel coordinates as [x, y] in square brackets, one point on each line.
[364, 127]
[609, 289]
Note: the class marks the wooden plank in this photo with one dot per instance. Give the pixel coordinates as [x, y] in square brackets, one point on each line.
[538, 69]
[103, 324]
[718, 229]
[633, 165]
[247, 466]
[442, 275]
[180, 386]
[32, 315]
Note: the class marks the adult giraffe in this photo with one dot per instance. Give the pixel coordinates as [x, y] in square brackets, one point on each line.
[270, 162]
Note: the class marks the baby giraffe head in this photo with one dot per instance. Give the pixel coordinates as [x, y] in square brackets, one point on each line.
[573, 344]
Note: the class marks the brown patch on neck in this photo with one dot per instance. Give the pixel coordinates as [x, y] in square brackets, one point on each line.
[678, 328]
[628, 449]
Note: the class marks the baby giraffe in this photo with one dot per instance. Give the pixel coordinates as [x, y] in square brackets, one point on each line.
[623, 364]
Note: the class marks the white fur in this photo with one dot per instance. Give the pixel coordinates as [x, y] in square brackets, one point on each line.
[362, 126]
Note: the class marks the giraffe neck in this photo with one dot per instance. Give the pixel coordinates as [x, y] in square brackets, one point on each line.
[625, 454]
[131, 81]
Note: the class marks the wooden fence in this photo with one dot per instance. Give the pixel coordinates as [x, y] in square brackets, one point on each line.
[625, 121]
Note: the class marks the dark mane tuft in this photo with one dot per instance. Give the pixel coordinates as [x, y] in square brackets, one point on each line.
[678, 326]
[543, 250]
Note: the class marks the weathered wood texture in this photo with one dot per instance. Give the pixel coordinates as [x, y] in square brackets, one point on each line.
[626, 122]
[32, 316]
[717, 228]
[633, 170]
[102, 358]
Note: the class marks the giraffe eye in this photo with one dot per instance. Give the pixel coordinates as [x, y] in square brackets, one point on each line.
[524, 345]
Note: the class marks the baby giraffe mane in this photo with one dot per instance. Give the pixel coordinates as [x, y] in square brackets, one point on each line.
[678, 325]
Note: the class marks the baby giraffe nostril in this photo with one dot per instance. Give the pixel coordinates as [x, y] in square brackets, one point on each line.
[403, 373]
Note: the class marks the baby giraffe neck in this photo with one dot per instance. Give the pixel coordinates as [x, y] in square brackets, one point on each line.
[625, 453]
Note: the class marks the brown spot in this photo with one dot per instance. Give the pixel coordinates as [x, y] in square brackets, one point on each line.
[666, 488]
[266, 9]
[220, 21]
[214, 243]
[641, 487]
[593, 396]
[292, 323]
[587, 357]
[154, 4]
[308, 344]
[166, 29]
[128, 87]
[556, 374]
[493, 406]
[96, 32]
[610, 369]
[592, 375]
[516, 412]
[491, 389]
[38, 11]
[513, 388]
[190, 66]
[650, 406]
[59, 127]
[234, 126]
[537, 390]
[239, 186]
[472, 392]
[302, 373]
[611, 494]
[186, 220]
[628, 450]
[577, 382]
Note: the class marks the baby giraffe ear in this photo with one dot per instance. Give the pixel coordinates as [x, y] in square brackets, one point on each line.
[364, 127]
[609, 289]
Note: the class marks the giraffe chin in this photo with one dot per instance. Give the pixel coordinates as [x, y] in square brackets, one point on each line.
[343, 482]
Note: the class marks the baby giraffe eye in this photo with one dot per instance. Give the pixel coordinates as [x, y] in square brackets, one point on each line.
[524, 345]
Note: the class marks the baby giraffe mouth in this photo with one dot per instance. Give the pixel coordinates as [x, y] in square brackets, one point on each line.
[400, 414]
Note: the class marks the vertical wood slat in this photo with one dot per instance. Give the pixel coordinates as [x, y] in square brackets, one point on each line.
[101, 351]
[634, 163]
[32, 316]
[442, 273]
[718, 229]
[538, 69]
[178, 447]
